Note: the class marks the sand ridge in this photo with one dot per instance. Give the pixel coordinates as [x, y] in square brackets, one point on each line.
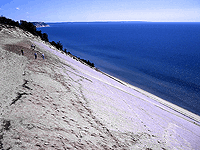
[60, 103]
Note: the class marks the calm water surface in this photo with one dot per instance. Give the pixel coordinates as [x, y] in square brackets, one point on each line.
[161, 58]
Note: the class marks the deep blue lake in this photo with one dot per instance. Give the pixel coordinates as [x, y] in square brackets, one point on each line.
[161, 58]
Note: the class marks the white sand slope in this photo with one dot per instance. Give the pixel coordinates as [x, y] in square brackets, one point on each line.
[60, 103]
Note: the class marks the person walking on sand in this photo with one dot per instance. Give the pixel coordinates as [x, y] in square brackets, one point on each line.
[33, 46]
[35, 55]
[43, 56]
[22, 51]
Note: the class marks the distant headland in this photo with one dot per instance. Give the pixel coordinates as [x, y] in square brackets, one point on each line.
[40, 24]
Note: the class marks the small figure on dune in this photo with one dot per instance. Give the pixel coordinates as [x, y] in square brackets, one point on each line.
[33, 46]
[22, 51]
[35, 55]
[43, 56]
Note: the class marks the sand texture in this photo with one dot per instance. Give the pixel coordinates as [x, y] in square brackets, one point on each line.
[60, 103]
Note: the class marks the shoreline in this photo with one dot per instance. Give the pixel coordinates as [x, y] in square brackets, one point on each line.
[185, 112]
[175, 85]
[172, 106]
[190, 115]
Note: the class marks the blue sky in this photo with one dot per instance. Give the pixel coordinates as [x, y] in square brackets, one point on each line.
[101, 10]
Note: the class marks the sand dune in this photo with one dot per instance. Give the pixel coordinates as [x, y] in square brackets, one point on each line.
[61, 103]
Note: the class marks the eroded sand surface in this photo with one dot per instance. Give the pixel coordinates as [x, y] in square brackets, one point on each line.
[60, 103]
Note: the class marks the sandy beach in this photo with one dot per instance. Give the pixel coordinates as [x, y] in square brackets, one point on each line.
[60, 103]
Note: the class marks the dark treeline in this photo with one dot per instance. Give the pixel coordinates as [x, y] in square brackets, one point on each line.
[87, 62]
[58, 45]
[28, 26]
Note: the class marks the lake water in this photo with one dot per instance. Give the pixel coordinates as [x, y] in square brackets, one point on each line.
[161, 58]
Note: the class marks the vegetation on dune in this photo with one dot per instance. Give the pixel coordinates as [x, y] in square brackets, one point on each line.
[30, 27]
[26, 26]
[58, 45]
[7, 21]
[87, 62]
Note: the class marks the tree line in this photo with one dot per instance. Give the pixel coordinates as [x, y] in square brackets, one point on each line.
[30, 27]
[26, 26]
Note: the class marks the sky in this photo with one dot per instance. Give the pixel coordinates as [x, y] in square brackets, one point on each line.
[101, 10]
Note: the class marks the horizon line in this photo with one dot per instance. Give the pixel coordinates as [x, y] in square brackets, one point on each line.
[117, 21]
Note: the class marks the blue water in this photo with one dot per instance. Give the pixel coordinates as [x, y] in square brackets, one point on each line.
[161, 58]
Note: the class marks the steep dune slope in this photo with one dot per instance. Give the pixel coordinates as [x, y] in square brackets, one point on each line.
[60, 103]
